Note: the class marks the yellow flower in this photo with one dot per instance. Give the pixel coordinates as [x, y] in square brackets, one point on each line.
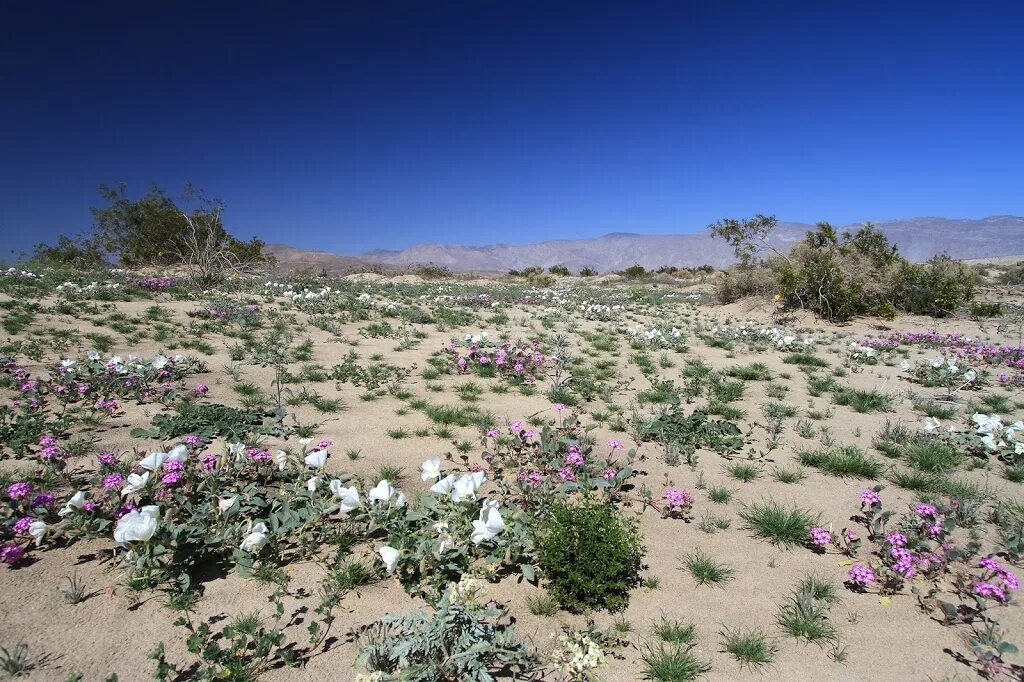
[778, 297]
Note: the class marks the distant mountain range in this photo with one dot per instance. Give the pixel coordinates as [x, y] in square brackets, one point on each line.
[917, 238]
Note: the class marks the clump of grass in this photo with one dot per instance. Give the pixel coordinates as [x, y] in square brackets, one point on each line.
[16, 661]
[707, 571]
[863, 401]
[672, 663]
[743, 471]
[542, 604]
[843, 461]
[778, 524]
[711, 523]
[932, 456]
[719, 494]
[805, 360]
[755, 371]
[672, 631]
[752, 648]
[788, 475]
[805, 616]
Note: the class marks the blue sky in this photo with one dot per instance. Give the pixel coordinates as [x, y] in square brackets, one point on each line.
[349, 127]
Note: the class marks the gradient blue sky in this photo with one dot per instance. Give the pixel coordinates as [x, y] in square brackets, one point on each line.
[349, 127]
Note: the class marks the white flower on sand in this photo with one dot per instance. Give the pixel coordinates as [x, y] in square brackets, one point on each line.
[445, 538]
[431, 469]
[135, 483]
[280, 459]
[349, 497]
[931, 425]
[389, 555]
[224, 503]
[179, 453]
[937, 362]
[382, 492]
[317, 459]
[159, 362]
[312, 484]
[488, 525]
[905, 366]
[137, 525]
[38, 531]
[153, 461]
[74, 504]
[257, 538]
[970, 375]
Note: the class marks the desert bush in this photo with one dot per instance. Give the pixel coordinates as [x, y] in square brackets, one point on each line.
[843, 275]
[590, 555]
[559, 270]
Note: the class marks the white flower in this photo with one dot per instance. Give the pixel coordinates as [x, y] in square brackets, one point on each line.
[38, 531]
[431, 469]
[224, 503]
[464, 489]
[987, 423]
[488, 525]
[280, 459]
[153, 461]
[257, 538]
[399, 501]
[936, 362]
[970, 375]
[349, 496]
[237, 449]
[159, 362]
[137, 525]
[389, 555]
[905, 366]
[179, 453]
[444, 486]
[317, 459]
[76, 502]
[135, 483]
[382, 492]
[931, 425]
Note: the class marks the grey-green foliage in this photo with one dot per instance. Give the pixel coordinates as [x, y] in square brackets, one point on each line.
[455, 642]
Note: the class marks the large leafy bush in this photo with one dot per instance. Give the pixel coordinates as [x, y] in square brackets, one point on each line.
[590, 555]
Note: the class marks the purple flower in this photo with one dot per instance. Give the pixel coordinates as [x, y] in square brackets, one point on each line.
[575, 459]
[201, 389]
[861, 574]
[566, 474]
[924, 509]
[896, 539]
[43, 500]
[677, 498]
[113, 481]
[11, 554]
[870, 497]
[106, 458]
[990, 590]
[820, 537]
[558, 407]
[21, 525]
[609, 474]
[16, 491]
[192, 439]
[614, 444]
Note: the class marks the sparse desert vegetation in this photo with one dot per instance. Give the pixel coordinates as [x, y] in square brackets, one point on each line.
[440, 478]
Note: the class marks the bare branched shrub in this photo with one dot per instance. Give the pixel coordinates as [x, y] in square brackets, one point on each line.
[207, 257]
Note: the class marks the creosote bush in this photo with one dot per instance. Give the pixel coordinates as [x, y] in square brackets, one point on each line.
[840, 276]
[590, 555]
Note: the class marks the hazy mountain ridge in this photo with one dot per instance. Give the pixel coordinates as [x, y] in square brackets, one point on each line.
[918, 239]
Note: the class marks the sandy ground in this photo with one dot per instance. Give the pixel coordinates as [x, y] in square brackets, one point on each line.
[110, 633]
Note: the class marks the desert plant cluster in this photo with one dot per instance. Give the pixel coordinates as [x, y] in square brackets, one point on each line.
[525, 477]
